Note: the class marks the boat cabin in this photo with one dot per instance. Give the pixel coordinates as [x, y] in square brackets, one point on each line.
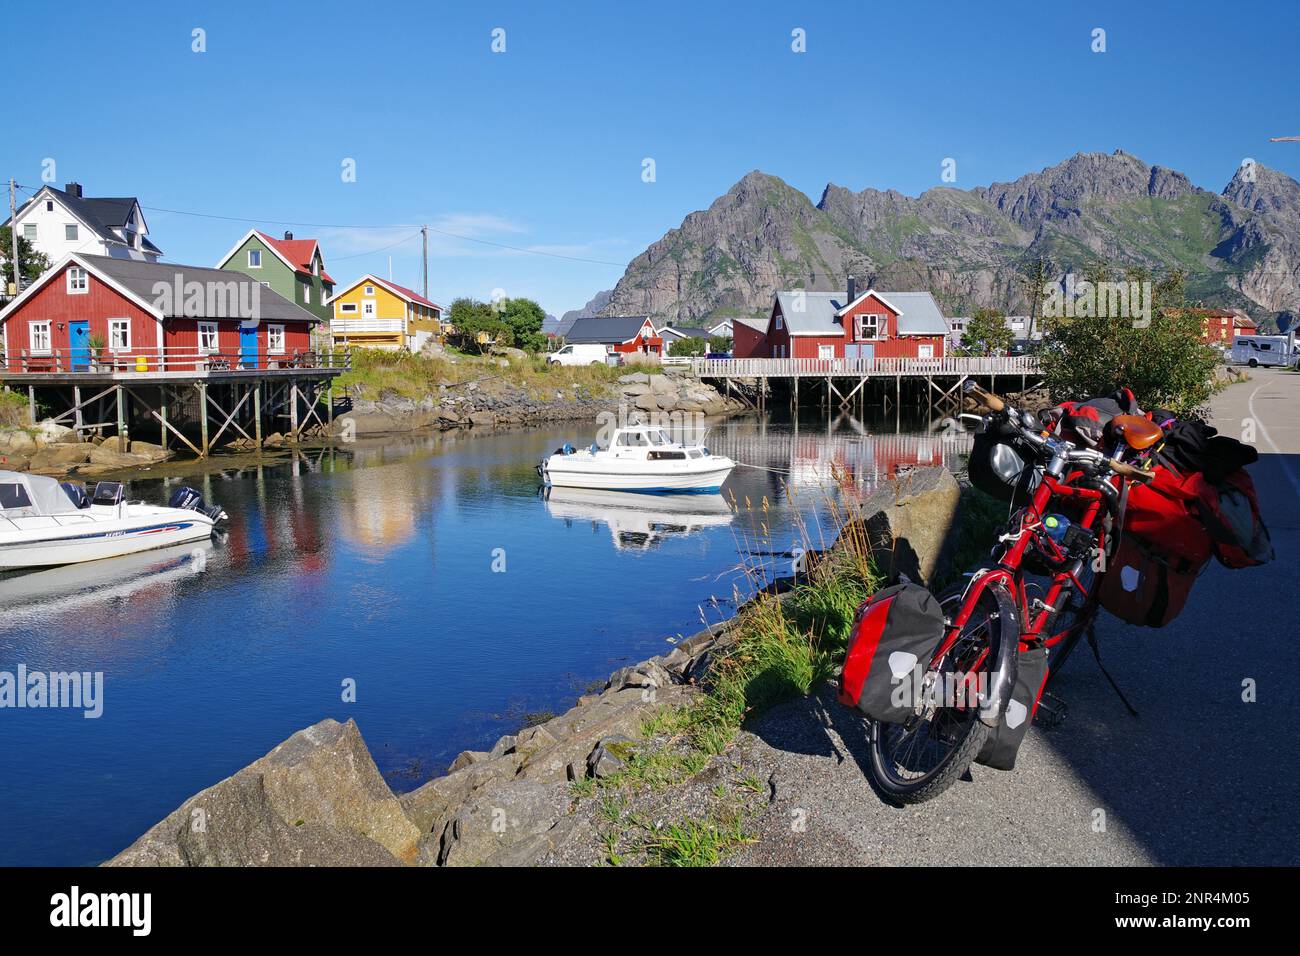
[651, 443]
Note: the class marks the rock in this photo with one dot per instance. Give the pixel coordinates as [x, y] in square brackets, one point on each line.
[107, 456]
[49, 433]
[316, 799]
[275, 438]
[906, 523]
[60, 457]
[17, 441]
[633, 378]
[150, 451]
[483, 418]
[532, 739]
[430, 806]
[467, 757]
[610, 756]
[14, 462]
[499, 818]
[663, 385]
[647, 402]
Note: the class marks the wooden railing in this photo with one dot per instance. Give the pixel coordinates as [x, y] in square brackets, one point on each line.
[858, 367]
[165, 359]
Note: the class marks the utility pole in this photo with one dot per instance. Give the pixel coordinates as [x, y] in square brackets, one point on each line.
[13, 233]
[424, 234]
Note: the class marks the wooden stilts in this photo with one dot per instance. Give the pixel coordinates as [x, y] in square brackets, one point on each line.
[76, 401]
[162, 414]
[257, 413]
[123, 440]
[203, 417]
[31, 399]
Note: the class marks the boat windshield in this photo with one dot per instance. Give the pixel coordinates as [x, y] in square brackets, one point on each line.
[25, 495]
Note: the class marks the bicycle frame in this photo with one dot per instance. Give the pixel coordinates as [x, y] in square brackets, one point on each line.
[1009, 571]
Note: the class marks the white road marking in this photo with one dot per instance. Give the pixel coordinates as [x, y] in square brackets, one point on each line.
[1281, 458]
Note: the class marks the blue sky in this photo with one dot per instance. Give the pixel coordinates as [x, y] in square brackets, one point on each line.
[540, 148]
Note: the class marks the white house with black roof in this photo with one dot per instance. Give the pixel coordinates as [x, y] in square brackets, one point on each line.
[64, 222]
[626, 334]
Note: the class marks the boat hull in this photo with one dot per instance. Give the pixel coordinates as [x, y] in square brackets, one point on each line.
[638, 478]
[95, 540]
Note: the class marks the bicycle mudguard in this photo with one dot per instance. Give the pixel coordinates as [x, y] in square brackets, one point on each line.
[1003, 743]
[1004, 654]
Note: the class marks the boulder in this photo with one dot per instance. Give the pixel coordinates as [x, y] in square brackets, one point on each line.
[14, 462]
[663, 385]
[60, 457]
[48, 433]
[17, 441]
[316, 799]
[151, 452]
[634, 378]
[107, 456]
[647, 403]
[610, 756]
[500, 818]
[483, 418]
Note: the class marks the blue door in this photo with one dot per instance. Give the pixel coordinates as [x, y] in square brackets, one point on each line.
[79, 345]
[867, 350]
[248, 346]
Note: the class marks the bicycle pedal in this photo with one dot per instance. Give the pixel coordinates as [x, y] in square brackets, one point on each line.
[1052, 711]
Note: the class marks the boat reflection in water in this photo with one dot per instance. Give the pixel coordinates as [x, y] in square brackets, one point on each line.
[96, 583]
[639, 522]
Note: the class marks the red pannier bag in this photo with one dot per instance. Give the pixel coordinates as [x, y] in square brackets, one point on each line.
[1084, 423]
[1229, 511]
[1166, 514]
[895, 635]
[1145, 587]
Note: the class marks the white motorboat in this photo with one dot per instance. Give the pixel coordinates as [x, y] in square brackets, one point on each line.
[639, 458]
[639, 522]
[45, 523]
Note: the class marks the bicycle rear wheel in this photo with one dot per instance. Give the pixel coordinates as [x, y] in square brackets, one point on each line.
[919, 760]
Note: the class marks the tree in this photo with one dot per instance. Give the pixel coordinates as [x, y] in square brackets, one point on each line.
[524, 318]
[1034, 279]
[987, 333]
[690, 346]
[721, 343]
[31, 262]
[473, 319]
[1164, 362]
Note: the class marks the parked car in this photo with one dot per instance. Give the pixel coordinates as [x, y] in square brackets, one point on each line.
[718, 355]
[583, 354]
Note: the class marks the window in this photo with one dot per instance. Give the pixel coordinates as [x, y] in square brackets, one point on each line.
[826, 351]
[368, 308]
[49, 205]
[370, 290]
[29, 231]
[779, 323]
[867, 326]
[38, 336]
[275, 338]
[348, 307]
[119, 335]
[306, 295]
[70, 232]
[925, 351]
[254, 258]
[207, 337]
[14, 495]
[315, 267]
[78, 284]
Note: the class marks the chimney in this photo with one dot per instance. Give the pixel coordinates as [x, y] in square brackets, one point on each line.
[288, 234]
[853, 289]
[73, 189]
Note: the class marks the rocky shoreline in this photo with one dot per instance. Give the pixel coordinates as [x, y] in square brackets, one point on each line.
[319, 799]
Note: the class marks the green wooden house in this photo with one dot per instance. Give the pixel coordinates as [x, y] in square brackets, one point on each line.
[292, 267]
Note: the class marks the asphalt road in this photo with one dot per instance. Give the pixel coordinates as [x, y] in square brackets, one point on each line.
[1201, 777]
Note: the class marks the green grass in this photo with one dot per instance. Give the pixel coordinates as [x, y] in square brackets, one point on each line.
[695, 842]
[13, 409]
[414, 376]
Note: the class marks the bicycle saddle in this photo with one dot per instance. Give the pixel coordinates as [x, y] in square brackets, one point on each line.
[1138, 433]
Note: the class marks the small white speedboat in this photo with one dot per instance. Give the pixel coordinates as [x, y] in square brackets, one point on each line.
[639, 458]
[45, 523]
[639, 522]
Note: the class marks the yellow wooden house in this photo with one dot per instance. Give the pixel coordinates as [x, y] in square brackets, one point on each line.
[380, 314]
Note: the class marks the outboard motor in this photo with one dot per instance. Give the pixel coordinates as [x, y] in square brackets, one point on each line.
[187, 499]
[76, 492]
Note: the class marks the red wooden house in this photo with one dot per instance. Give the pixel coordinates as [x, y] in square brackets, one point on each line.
[869, 324]
[627, 334]
[150, 316]
[749, 338]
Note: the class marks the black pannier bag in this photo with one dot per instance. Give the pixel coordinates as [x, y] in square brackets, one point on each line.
[1003, 742]
[999, 464]
[895, 635]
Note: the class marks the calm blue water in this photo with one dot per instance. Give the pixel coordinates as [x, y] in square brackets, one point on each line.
[375, 565]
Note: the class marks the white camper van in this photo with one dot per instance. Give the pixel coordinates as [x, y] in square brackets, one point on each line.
[1255, 350]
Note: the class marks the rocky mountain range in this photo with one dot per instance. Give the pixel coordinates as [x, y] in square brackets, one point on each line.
[1240, 248]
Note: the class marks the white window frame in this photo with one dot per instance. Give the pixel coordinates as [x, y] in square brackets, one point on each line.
[368, 309]
[826, 351]
[71, 227]
[349, 308]
[924, 347]
[275, 333]
[205, 329]
[252, 264]
[49, 205]
[119, 335]
[779, 323]
[43, 327]
[78, 281]
[306, 295]
[29, 231]
[370, 290]
[859, 326]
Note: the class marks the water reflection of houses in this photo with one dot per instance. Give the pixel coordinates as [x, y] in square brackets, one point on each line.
[638, 522]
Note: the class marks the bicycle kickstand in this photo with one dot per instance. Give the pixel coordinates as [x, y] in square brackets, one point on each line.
[1096, 652]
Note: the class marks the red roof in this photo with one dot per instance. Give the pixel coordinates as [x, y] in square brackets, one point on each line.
[299, 252]
[410, 294]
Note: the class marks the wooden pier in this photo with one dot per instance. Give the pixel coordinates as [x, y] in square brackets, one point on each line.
[844, 381]
[194, 399]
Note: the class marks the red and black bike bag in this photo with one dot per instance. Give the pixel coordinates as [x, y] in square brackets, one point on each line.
[1229, 511]
[896, 633]
[1145, 585]
[1004, 740]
